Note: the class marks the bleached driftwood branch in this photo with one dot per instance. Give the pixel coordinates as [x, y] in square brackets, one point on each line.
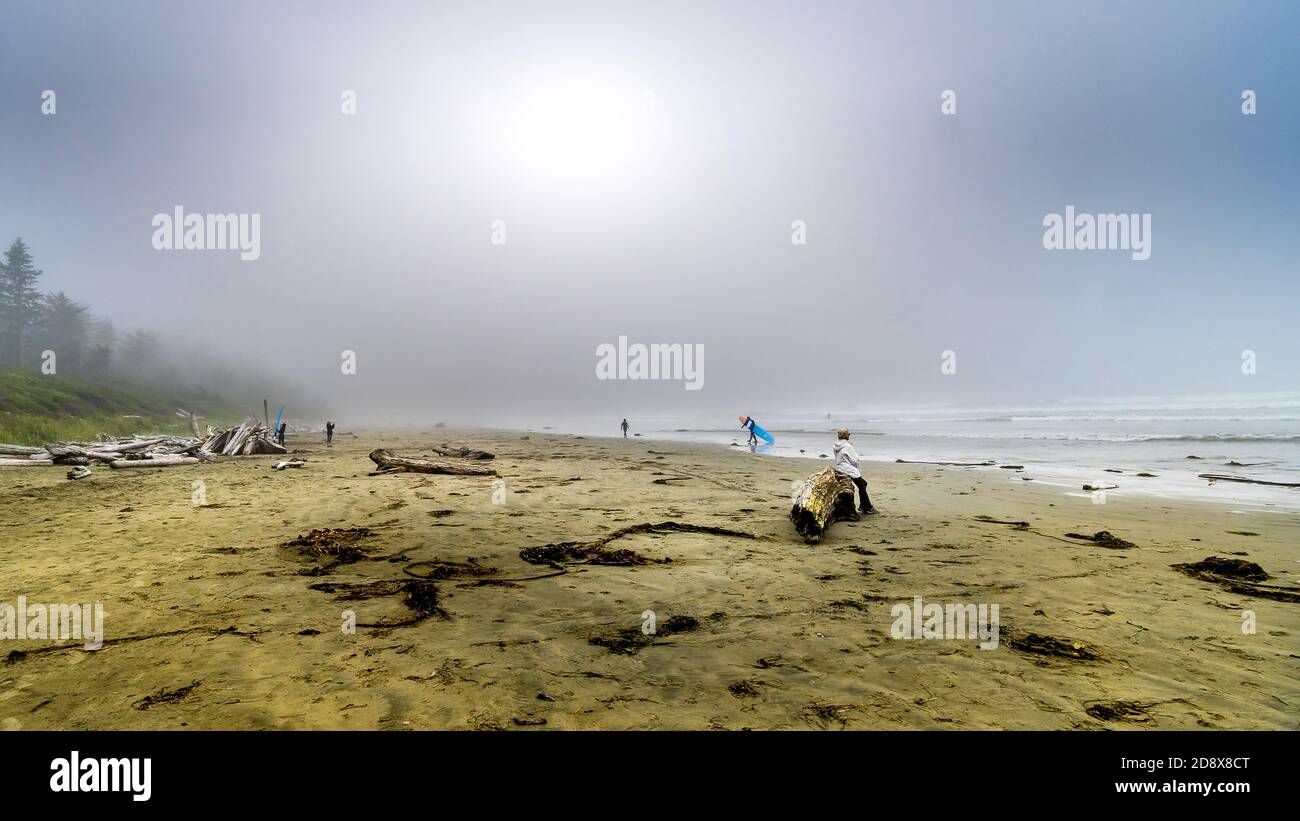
[158, 462]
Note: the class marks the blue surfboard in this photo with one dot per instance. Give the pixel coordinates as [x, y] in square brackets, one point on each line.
[762, 434]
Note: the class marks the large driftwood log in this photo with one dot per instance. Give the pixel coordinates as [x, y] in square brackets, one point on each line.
[463, 453]
[1220, 477]
[825, 497]
[64, 450]
[160, 462]
[25, 463]
[130, 446]
[390, 462]
[20, 450]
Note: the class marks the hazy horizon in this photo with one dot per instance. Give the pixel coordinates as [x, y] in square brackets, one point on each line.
[648, 162]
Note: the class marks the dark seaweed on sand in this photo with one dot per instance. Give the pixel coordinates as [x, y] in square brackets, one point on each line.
[420, 596]
[1104, 538]
[341, 544]
[630, 641]
[437, 569]
[1118, 711]
[1239, 576]
[1227, 568]
[1037, 645]
[596, 552]
[165, 696]
[745, 688]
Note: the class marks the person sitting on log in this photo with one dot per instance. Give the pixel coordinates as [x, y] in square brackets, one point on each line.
[846, 464]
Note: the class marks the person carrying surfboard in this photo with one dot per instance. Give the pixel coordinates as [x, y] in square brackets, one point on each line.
[755, 432]
[846, 464]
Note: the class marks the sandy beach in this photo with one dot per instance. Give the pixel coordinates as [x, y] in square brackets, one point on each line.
[211, 621]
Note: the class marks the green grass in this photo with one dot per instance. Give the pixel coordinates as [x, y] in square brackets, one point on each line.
[36, 409]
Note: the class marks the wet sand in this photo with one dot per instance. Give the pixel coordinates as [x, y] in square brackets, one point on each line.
[210, 622]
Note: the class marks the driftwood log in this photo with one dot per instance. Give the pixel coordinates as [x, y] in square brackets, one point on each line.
[61, 450]
[25, 463]
[159, 462]
[20, 450]
[1220, 477]
[825, 497]
[463, 453]
[390, 462]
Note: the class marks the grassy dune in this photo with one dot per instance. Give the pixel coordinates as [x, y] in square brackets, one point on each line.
[36, 408]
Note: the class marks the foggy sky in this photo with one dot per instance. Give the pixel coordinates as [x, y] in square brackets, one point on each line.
[709, 128]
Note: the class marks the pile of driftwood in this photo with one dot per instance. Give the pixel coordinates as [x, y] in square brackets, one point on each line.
[144, 451]
[246, 440]
[128, 451]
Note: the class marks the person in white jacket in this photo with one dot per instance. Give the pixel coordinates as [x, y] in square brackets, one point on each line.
[846, 464]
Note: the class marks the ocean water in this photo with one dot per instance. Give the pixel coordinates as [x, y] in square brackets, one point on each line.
[1066, 444]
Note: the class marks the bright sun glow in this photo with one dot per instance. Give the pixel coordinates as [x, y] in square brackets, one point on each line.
[577, 133]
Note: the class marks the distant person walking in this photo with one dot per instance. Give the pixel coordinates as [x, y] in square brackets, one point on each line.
[624, 426]
[747, 422]
[846, 464]
[329, 434]
[284, 426]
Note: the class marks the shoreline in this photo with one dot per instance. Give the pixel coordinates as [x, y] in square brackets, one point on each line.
[1184, 485]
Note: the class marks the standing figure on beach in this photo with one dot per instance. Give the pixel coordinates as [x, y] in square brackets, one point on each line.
[329, 434]
[624, 426]
[284, 426]
[846, 464]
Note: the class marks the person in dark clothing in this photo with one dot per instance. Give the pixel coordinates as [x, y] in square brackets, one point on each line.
[624, 426]
[329, 434]
[284, 426]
